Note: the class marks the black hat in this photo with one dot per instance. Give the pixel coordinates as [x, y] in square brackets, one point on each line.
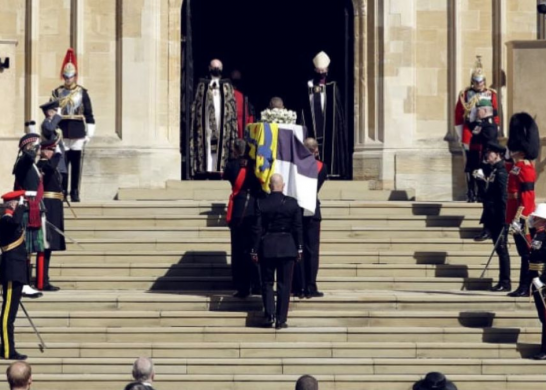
[494, 146]
[52, 105]
[434, 381]
[523, 135]
[28, 139]
[50, 140]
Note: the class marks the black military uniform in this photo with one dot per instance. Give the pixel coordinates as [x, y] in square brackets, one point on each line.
[241, 218]
[29, 179]
[53, 201]
[494, 214]
[13, 272]
[306, 271]
[537, 263]
[278, 233]
[484, 131]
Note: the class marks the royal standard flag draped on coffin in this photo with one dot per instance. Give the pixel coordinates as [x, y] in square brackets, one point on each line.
[278, 148]
[263, 138]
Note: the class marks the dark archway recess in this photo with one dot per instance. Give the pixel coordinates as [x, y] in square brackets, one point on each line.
[272, 44]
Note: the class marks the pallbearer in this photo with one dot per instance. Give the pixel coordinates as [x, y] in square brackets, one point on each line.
[306, 271]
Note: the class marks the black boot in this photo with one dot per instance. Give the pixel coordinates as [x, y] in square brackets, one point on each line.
[521, 291]
[484, 235]
[75, 162]
[471, 188]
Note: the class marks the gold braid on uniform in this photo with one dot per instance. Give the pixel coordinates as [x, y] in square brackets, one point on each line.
[471, 103]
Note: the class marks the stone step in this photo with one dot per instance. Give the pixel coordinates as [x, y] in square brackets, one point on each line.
[100, 232]
[281, 382]
[212, 334]
[329, 208]
[297, 318]
[339, 244]
[72, 300]
[218, 220]
[290, 366]
[337, 191]
[224, 270]
[279, 350]
[197, 283]
[423, 256]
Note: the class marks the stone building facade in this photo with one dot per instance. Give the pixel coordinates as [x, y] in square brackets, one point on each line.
[411, 59]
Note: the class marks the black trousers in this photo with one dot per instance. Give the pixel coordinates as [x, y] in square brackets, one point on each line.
[306, 271]
[284, 268]
[502, 252]
[12, 296]
[73, 159]
[541, 311]
[245, 273]
[525, 276]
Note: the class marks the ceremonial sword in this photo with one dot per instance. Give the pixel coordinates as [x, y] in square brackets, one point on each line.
[41, 344]
[64, 235]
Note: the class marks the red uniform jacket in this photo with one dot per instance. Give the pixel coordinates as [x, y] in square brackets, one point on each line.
[244, 116]
[462, 117]
[521, 188]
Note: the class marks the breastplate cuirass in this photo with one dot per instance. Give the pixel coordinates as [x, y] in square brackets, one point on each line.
[70, 101]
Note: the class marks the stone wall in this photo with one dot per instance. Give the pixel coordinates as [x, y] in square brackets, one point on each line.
[124, 50]
[411, 59]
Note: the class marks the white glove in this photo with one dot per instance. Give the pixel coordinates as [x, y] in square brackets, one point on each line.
[58, 149]
[538, 283]
[477, 130]
[478, 174]
[90, 130]
[21, 200]
[59, 111]
[87, 139]
[515, 227]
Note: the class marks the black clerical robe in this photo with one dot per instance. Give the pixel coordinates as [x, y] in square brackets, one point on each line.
[213, 132]
[324, 118]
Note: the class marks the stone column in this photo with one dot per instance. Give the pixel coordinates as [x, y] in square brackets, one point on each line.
[9, 131]
[526, 84]
[141, 146]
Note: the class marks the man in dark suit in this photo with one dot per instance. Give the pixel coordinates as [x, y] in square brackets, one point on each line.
[278, 235]
[494, 209]
[305, 272]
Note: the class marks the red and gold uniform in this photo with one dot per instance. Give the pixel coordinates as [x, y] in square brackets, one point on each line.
[466, 116]
[523, 145]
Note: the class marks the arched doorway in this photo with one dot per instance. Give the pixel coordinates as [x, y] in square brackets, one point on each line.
[272, 44]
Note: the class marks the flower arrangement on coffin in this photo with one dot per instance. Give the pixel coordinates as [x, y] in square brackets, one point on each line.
[279, 115]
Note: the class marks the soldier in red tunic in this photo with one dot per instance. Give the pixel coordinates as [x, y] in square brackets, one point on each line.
[524, 144]
[466, 113]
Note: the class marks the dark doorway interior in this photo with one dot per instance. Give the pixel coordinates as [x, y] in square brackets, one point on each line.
[272, 44]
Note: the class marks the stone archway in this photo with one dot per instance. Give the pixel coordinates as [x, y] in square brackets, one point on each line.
[364, 65]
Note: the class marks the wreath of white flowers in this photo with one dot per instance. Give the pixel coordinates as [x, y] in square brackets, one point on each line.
[279, 115]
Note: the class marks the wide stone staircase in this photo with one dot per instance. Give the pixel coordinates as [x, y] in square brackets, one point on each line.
[402, 297]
